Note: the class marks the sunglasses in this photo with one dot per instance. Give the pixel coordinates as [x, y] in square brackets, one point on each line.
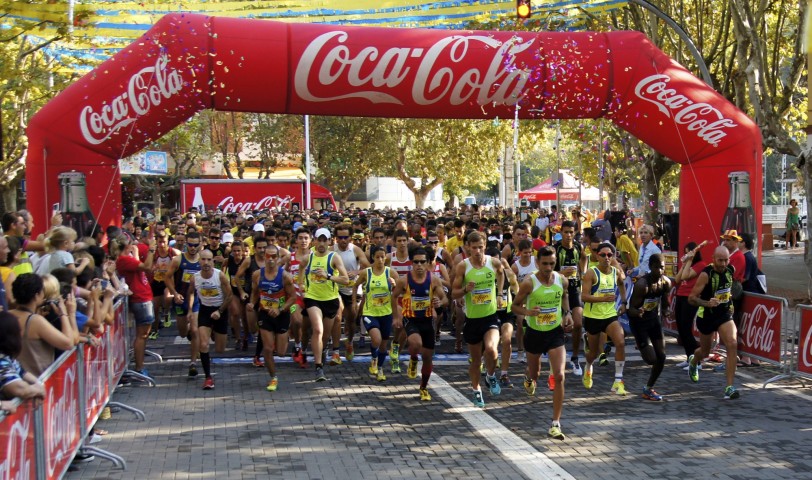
[342, 237]
[420, 262]
[606, 255]
[434, 242]
[192, 245]
[214, 238]
[548, 263]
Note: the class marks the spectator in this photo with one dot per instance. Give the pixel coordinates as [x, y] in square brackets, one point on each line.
[684, 312]
[59, 245]
[750, 283]
[7, 276]
[625, 248]
[15, 381]
[793, 224]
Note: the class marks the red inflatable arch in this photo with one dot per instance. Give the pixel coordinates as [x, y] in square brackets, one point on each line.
[187, 63]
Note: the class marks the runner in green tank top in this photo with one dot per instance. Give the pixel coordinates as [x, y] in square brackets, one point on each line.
[320, 273]
[542, 297]
[477, 279]
[600, 289]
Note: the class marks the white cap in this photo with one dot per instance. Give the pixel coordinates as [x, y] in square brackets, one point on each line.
[322, 232]
[258, 227]
[228, 237]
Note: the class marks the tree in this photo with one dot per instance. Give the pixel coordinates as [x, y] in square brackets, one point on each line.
[277, 137]
[228, 131]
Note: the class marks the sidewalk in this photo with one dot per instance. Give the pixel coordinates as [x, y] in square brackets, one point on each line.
[787, 275]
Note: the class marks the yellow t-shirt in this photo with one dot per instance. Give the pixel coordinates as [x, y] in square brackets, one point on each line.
[625, 244]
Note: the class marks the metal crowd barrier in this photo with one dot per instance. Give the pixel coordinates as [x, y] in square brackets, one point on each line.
[801, 363]
[41, 438]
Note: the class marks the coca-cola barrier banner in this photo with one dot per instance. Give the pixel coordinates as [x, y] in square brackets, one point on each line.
[186, 63]
[61, 416]
[17, 455]
[761, 326]
[805, 342]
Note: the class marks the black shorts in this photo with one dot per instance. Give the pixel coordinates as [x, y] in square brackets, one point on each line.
[278, 324]
[538, 342]
[218, 326]
[383, 323]
[329, 308]
[506, 316]
[423, 327]
[574, 296]
[158, 288]
[595, 326]
[475, 328]
[646, 329]
[707, 326]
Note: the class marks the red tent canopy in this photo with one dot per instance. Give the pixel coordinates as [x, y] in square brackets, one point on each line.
[570, 191]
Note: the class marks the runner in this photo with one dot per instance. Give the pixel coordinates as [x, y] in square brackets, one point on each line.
[272, 296]
[507, 320]
[354, 261]
[524, 266]
[600, 292]
[318, 272]
[215, 295]
[649, 296]
[237, 264]
[161, 301]
[542, 297]
[399, 261]
[377, 282]
[298, 327]
[421, 293]
[569, 254]
[184, 266]
[477, 279]
[712, 295]
[257, 261]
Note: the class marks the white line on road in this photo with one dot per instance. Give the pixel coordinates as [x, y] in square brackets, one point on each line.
[532, 463]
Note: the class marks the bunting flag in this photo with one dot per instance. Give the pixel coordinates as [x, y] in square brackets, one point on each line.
[102, 28]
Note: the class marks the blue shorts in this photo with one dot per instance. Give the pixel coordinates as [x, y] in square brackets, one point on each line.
[143, 313]
[384, 324]
[183, 309]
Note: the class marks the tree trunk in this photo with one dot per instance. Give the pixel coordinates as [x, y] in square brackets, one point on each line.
[808, 189]
[420, 198]
[654, 167]
[8, 198]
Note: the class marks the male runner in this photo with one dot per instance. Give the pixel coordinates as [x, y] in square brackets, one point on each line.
[399, 261]
[569, 254]
[354, 261]
[524, 266]
[183, 267]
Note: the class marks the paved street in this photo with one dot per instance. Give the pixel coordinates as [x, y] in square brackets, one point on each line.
[353, 426]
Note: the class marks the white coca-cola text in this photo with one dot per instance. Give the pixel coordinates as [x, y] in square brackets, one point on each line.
[228, 204]
[96, 376]
[702, 118]
[806, 346]
[366, 72]
[17, 462]
[146, 89]
[61, 415]
[758, 331]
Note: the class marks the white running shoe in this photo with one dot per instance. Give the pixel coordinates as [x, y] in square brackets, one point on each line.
[576, 368]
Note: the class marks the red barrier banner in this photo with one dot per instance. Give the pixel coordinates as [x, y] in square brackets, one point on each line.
[805, 342]
[17, 455]
[60, 415]
[97, 378]
[117, 341]
[761, 327]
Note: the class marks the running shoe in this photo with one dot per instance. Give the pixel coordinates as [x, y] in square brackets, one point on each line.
[587, 380]
[153, 335]
[297, 356]
[320, 377]
[437, 340]
[145, 373]
[373, 366]
[335, 359]
[493, 384]
[693, 370]
[272, 385]
[551, 382]
[602, 359]
[529, 386]
[477, 398]
[167, 322]
[650, 394]
[424, 395]
[555, 432]
[504, 381]
[522, 356]
[576, 368]
[350, 352]
[395, 366]
[257, 362]
[192, 371]
[394, 351]
[682, 364]
[381, 376]
[208, 384]
[731, 393]
[716, 358]
[619, 387]
[482, 367]
[411, 371]
[458, 346]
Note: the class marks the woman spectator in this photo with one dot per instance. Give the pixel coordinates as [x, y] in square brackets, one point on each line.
[684, 312]
[15, 381]
[39, 338]
[793, 224]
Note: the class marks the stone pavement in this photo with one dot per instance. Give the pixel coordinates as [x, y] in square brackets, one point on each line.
[787, 275]
[354, 427]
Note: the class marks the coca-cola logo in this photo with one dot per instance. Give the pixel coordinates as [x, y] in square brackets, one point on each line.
[704, 119]
[146, 89]
[758, 330]
[228, 204]
[61, 415]
[806, 345]
[17, 463]
[367, 71]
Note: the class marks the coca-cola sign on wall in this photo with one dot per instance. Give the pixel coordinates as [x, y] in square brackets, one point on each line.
[241, 196]
[805, 342]
[761, 327]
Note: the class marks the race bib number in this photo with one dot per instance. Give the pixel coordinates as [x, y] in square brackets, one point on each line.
[380, 299]
[187, 276]
[209, 292]
[548, 316]
[420, 303]
[650, 304]
[570, 272]
[267, 302]
[605, 292]
[723, 295]
[159, 275]
[481, 297]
